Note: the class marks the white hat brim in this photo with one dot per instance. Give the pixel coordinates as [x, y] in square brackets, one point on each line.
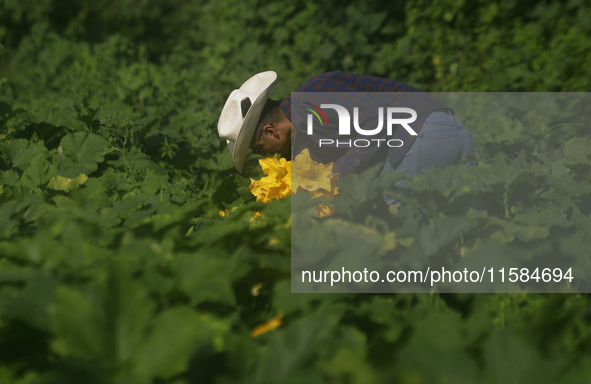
[239, 148]
[248, 128]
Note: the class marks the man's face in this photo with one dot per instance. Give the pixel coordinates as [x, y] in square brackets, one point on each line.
[276, 138]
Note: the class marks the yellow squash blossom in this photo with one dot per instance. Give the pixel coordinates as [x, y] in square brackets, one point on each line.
[323, 209]
[276, 184]
[308, 175]
[256, 214]
[269, 325]
[315, 178]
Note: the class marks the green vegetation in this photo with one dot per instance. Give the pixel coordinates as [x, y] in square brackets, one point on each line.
[116, 266]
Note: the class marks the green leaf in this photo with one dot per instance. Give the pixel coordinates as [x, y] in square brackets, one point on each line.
[207, 276]
[166, 351]
[154, 183]
[551, 214]
[510, 360]
[20, 152]
[128, 312]
[85, 149]
[577, 150]
[10, 177]
[230, 189]
[64, 115]
[39, 172]
[290, 348]
[437, 352]
[77, 324]
[337, 243]
[138, 162]
[441, 232]
[360, 188]
[32, 304]
[212, 234]
[511, 230]
[350, 360]
[508, 130]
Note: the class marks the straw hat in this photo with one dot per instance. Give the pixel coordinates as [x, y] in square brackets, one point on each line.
[242, 112]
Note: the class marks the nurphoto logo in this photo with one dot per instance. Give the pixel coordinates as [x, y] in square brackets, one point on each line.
[345, 125]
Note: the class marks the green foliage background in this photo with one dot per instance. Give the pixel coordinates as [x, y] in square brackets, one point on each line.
[133, 276]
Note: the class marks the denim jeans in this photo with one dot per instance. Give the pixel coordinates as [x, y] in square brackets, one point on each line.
[442, 141]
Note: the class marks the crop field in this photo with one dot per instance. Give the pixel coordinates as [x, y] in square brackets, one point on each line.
[132, 252]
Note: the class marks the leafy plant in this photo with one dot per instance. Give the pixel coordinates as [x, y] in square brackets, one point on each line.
[116, 266]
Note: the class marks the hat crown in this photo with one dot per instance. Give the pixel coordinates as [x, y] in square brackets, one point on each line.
[234, 113]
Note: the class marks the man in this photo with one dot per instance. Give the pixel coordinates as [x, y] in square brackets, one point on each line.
[251, 120]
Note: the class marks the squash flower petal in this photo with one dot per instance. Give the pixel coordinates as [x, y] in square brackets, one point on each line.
[269, 325]
[277, 183]
[310, 175]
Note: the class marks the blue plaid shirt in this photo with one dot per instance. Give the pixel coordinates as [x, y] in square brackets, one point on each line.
[347, 160]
